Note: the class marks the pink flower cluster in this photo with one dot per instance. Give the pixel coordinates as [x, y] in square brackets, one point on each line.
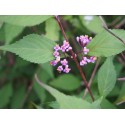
[64, 67]
[65, 48]
[86, 60]
[83, 41]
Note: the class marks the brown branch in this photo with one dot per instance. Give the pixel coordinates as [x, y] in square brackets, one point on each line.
[92, 76]
[11, 60]
[66, 26]
[75, 58]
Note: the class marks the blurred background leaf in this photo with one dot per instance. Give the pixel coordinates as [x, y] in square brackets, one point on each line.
[24, 20]
[8, 32]
[5, 94]
[67, 82]
[92, 23]
[106, 77]
[18, 97]
[52, 29]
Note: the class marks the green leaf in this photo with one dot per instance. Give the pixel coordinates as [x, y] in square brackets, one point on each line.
[105, 104]
[5, 94]
[120, 100]
[52, 29]
[33, 48]
[122, 91]
[70, 102]
[115, 91]
[120, 33]
[48, 69]
[54, 104]
[40, 92]
[24, 20]
[34, 106]
[118, 68]
[18, 97]
[8, 32]
[106, 77]
[78, 25]
[105, 44]
[88, 97]
[1, 23]
[121, 97]
[93, 23]
[67, 82]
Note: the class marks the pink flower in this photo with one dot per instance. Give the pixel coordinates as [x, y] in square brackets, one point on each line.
[65, 46]
[57, 47]
[84, 61]
[70, 48]
[56, 54]
[93, 59]
[77, 39]
[64, 62]
[67, 69]
[60, 68]
[85, 50]
[58, 58]
[83, 40]
[53, 63]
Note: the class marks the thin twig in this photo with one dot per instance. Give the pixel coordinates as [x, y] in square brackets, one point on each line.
[121, 61]
[120, 24]
[121, 79]
[115, 21]
[103, 22]
[80, 52]
[92, 76]
[123, 56]
[75, 58]
[27, 94]
[106, 28]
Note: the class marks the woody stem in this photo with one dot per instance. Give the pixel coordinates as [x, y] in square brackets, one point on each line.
[75, 59]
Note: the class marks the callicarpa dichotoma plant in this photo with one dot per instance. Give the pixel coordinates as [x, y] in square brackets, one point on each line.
[67, 62]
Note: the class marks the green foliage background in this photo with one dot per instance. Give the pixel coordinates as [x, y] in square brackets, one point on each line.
[26, 47]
